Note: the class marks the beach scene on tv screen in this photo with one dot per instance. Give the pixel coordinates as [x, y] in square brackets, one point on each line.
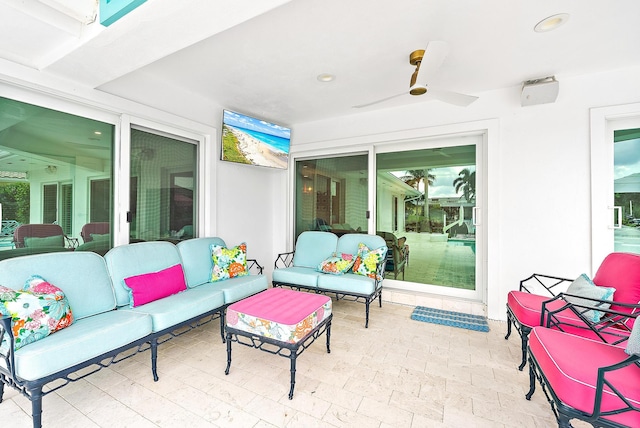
[253, 141]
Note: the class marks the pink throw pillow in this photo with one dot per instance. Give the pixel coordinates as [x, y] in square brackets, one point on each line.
[152, 286]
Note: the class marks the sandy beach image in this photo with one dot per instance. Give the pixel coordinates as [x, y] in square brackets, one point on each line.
[257, 152]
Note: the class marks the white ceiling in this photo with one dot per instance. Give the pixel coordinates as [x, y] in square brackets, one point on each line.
[261, 57]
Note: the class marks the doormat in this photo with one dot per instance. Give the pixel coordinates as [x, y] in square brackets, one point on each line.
[450, 318]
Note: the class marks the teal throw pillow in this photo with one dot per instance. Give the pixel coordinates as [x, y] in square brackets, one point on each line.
[584, 287]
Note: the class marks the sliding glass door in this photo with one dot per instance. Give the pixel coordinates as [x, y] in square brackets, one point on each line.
[435, 190]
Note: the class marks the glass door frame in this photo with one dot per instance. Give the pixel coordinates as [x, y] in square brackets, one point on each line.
[205, 202]
[487, 244]
[604, 121]
[435, 142]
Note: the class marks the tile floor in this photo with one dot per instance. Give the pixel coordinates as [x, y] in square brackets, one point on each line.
[396, 373]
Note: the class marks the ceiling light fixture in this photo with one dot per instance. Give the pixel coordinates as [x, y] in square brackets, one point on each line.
[326, 77]
[551, 23]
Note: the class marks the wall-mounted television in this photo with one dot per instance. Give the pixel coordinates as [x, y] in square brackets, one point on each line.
[253, 141]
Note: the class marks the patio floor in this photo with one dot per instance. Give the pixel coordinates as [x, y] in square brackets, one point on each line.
[396, 373]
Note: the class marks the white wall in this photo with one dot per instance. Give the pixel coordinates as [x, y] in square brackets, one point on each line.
[540, 170]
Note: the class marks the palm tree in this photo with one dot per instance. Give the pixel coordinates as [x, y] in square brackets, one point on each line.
[467, 183]
[416, 176]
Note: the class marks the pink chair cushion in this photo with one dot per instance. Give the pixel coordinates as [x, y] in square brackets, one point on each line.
[527, 307]
[570, 364]
[622, 272]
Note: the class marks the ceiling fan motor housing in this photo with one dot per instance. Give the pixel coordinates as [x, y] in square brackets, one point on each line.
[415, 58]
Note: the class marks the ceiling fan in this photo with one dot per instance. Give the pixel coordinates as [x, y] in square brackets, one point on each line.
[427, 62]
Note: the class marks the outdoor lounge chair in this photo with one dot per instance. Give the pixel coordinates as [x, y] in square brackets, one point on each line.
[98, 228]
[397, 253]
[39, 235]
[585, 377]
[620, 271]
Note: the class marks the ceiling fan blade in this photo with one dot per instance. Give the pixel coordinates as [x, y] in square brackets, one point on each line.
[434, 56]
[380, 101]
[450, 97]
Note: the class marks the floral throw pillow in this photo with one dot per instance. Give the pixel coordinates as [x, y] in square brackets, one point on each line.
[367, 261]
[37, 311]
[228, 262]
[337, 264]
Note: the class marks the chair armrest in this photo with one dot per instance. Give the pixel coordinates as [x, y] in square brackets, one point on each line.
[253, 264]
[547, 282]
[611, 388]
[611, 328]
[284, 260]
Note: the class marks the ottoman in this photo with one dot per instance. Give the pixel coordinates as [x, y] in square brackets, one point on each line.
[279, 321]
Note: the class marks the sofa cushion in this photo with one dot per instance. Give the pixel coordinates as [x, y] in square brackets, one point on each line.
[152, 286]
[307, 277]
[166, 313]
[36, 312]
[136, 259]
[312, 247]
[69, 271]
[228, 262]
[84, 339]
[574, 379]
[367, 261]
[622, 272]
[337, 264]
[196, 259]
[240, 287]
[584, 287]
[349, 283]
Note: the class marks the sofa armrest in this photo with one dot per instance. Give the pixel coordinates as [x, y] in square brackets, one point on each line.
[612, 327]
[252, 264]
[6, 352]
[537, 282]
[284, 260]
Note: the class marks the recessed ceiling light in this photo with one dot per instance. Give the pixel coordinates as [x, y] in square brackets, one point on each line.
[326, 77]
[551, 23]
[97, 132]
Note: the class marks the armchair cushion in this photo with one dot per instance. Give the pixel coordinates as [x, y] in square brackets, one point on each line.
[583, 286]
[574, 379]
[621, 271]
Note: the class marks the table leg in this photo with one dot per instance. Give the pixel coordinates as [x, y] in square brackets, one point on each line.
[226, 372]
[292, 357]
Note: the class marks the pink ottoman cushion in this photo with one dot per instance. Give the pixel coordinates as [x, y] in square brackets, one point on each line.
[278, 313]
[570, 364]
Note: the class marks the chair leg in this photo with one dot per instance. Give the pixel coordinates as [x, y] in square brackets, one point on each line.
[532, 382]
[524, 331]
[508, 325]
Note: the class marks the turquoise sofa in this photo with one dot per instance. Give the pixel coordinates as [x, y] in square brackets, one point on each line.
[299, 269]
[104, 324]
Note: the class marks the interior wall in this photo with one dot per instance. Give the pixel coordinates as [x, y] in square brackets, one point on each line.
[540, 169]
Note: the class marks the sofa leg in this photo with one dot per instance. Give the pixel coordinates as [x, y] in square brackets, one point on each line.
[524, 331]
[366, 322]
[222, 318]
[154, 358]
[36, 406]
[1, 391]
